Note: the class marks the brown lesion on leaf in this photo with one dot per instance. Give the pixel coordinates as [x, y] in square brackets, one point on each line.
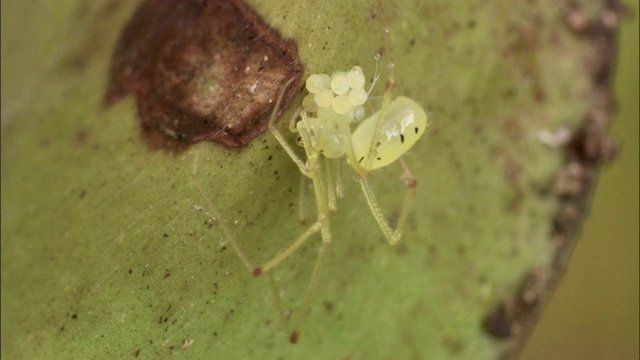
[202, 71]
[510, 317]
[587, 149]
[590, 145]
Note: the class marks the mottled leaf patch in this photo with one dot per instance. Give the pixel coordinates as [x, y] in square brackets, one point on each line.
[208, 70]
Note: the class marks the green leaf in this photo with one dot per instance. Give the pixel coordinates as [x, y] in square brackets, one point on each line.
[107, 246]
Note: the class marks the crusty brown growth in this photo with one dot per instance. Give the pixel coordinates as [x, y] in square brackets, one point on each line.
[589, 146]
[208, 70]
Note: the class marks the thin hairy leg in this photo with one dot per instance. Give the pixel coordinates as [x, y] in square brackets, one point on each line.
[214, 215]
[313, 284]
[392, 235]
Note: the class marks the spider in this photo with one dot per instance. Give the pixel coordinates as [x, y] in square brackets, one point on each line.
[331, 126]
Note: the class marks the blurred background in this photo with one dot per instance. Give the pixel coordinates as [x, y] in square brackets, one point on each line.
[594, 312]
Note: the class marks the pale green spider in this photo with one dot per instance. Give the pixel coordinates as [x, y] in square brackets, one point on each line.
[330, 110]
[335, 105]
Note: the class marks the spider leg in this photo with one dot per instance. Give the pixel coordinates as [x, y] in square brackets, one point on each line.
[304, 169]
[301, 217]
[313, 282]
[393, 235]
[313, 169]
[214, 215]
[276, 260]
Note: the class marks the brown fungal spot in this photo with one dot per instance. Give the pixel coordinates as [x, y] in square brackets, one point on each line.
[257, 272]
[208, 70]
[511, 316]
[497, 323]
[586, 149]
[293, 338]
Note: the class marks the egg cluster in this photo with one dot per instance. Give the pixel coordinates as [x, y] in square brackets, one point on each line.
[342, 92]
